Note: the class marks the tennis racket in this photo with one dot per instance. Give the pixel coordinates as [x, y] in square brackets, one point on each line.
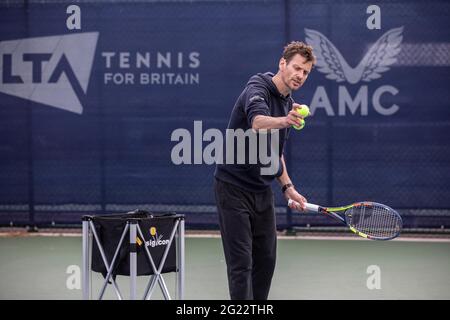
[369, 220]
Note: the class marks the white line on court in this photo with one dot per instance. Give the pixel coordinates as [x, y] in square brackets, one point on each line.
[217, 235]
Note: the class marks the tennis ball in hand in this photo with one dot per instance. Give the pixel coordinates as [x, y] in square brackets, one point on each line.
[302, 124]
[303, 111]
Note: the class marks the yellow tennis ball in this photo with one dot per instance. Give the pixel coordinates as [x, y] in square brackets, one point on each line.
[302, 125]
[303, 110]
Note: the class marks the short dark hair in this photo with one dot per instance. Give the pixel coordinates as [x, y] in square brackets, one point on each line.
[298, 47]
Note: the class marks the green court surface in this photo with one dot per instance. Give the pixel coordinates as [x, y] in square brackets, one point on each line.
[43, 267]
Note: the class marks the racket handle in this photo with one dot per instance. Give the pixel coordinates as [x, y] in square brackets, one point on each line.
[308, 206]
[312, 207]
[290, 202]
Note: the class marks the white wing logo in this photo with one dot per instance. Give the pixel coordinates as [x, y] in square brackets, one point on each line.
[376, 61]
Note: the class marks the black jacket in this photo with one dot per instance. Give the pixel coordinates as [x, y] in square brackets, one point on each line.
[260, 97]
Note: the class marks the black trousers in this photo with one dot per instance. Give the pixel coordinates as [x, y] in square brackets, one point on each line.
[248, 229]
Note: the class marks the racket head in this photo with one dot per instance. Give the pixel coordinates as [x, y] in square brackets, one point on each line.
[373, 220]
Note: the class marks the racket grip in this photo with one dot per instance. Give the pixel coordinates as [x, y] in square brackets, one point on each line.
[308, 206]
[290, 202]
[312, 207]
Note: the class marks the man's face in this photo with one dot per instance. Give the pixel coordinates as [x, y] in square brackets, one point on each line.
[296, 72]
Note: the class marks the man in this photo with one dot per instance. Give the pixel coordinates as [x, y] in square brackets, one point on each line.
[244, 197]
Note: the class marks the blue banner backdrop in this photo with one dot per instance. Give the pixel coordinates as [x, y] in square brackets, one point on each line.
[86, 116]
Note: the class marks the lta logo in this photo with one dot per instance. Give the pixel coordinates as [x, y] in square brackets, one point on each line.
[51, 70]
[376, 61]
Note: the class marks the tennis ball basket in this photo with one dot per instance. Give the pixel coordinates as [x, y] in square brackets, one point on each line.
[137, 243]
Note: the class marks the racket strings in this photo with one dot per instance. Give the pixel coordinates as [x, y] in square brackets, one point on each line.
[374, 220]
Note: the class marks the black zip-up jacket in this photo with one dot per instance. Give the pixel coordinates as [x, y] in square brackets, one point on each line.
[260, 97]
